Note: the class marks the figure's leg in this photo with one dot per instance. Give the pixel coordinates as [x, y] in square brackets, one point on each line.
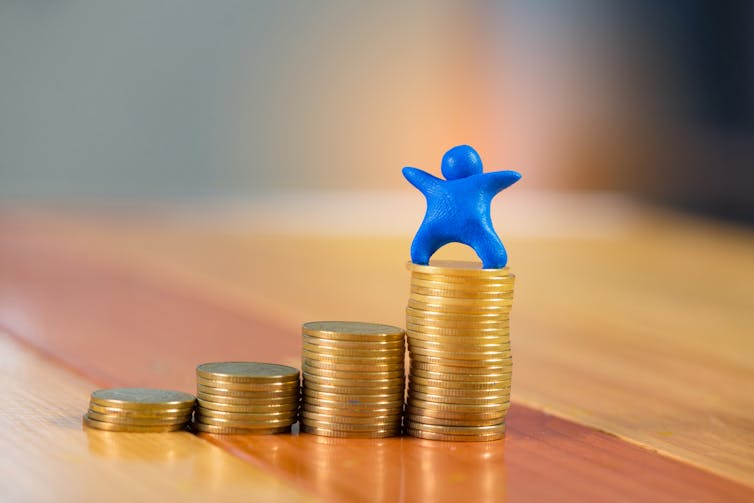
[490, 249]
[425, 244]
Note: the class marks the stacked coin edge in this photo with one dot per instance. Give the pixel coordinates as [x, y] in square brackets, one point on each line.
[139, 410]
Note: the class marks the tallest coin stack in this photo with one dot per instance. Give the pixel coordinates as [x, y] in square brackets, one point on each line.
[457, 327]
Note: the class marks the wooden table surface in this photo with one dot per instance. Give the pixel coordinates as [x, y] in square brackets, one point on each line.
[633, 360]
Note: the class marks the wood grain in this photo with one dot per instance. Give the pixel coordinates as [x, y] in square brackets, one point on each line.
[48, 456]
[53, 286]
[644, 332]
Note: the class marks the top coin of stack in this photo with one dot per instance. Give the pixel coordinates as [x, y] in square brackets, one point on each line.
[139, 410]
[353, 379]
[457, 327]
[246, 398]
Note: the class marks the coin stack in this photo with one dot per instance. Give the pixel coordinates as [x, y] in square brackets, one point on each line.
[237, 398]
[457, 327]
[353, 379]
[139, 410]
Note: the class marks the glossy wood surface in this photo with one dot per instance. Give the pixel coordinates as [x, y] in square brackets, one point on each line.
[97, 298]
[46, 455]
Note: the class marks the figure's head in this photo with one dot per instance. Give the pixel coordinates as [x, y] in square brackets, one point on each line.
[460, 162]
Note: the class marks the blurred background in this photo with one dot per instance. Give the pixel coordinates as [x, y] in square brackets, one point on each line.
[145, 101]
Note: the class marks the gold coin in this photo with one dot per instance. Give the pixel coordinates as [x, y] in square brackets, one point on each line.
[488, 355]
[463, 285]
[418, 417]
[352, 330]
[493, 303]
[417, 368]
[459, 316]
[394, 423]
[460, 384]
[429, 435]
[142, 399]
[101, 425]
[259, 408]
[356, 353]
[480, 408]
[247, 372]
[257, 387]
[356, 383]
[342, 374]
[496, 330]
[355, 390]
[258, 395]
[499, 310]
[452, 362]
[395, 359]
[445, 398]
[352, 411]
[462, 347]
[358, 367]
[316, 395]
[457, 430]
[451, 393]
[458, 268]
[455, 293]
[397, 344]
[247, 416]
[456, 327]
[157, 413]
[271, 423]
[326, 432]
[284, 400]
[229, 430]
[494, 415]
[137, 421]
[368, 421]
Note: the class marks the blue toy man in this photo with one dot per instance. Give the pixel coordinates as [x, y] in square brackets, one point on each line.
[458, 208]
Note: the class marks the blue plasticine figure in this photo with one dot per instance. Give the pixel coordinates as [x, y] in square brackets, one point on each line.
[458, 208]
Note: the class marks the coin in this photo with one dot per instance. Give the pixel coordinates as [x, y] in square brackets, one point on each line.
[392, 424]
[244, 400]
[256, 387]
[453, 422]
[460, 308]
[455, 293]
[342, 374]
[247, 416]
[448, 268]
[352, 330]
[396, 344]
[353, 411]
[462, 347]
[247, 372]
[345, 366]
[458, 384]
[358, 383]
[394, 359]
[429, 415]
[466, 330]
[229, 430]
[229, 407]
[259, 395]
[487, 356]
[461, 286]
[504, 368]
[156, 413]
[271, 423]
[420, 403]
[137, 421]
[498, 398]
[311, 394]
[368, 421]
[356, 390]
[457, 430]
[327, 432]
[450, 394]
[460, 316]
[471, 304]
[142, 398]
[428, 435]
[452, 362]
[355, 353]
[101, 425]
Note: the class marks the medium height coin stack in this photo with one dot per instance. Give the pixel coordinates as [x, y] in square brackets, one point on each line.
[246, 398]
[353, 379]
[457, 327]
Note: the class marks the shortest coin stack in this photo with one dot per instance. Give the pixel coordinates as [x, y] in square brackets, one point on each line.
[139, 410]
[353, 379]
[238, 398]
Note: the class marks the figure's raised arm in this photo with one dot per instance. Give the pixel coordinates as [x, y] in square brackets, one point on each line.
[499, 180]
[420, 179]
